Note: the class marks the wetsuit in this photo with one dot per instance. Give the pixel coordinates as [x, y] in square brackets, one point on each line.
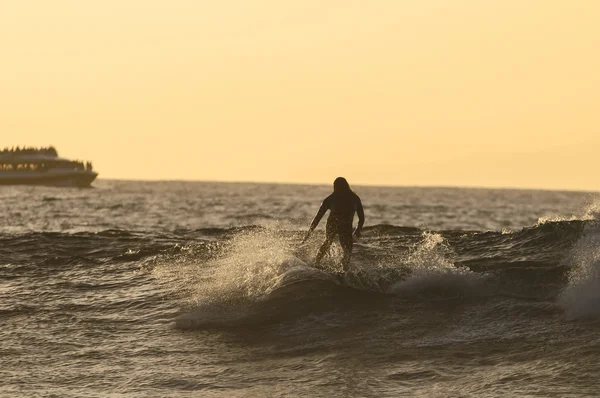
[342, 205]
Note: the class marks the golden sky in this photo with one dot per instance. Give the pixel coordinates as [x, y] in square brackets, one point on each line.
[403, 92]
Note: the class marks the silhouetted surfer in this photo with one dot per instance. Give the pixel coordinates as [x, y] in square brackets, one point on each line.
[343, 203]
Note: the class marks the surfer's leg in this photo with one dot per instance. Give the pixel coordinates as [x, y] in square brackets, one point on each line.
[323, 250]
[329, 235]
[346, 243]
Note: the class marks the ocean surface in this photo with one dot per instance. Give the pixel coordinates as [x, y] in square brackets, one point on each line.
[190, 289]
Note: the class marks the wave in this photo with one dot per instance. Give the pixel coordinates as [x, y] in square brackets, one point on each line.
[379, 230]
[219, 269]
[263, 276]
[532, 255]
[432, 272]
[262, 273]
[581, 297]
[590, 213]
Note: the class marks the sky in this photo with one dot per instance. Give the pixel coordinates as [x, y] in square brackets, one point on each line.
[400, 92]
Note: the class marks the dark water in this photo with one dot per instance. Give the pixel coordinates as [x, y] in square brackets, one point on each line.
[196, 289]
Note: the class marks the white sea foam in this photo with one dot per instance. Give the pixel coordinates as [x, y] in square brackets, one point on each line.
[432, 271]
[581, 297]
[591, 212]
[247, 269]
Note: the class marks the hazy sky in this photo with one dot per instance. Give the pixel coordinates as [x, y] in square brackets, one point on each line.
[402, 92]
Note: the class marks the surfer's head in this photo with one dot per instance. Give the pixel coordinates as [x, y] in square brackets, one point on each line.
[341, 185]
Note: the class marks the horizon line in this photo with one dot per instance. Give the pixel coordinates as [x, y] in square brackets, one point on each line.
[474, 187]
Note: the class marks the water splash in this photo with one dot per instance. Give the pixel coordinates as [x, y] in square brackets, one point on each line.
[432, 271]
[246, 269]
[590, 213]
[581, 297]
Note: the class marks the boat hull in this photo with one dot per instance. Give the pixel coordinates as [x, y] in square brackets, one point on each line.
[80, 179]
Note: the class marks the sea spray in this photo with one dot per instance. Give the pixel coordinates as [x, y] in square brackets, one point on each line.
[591, 212]
[581, 297]
[245, 269]
[432, 271]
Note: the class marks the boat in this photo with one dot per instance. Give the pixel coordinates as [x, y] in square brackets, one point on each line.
[43, 166]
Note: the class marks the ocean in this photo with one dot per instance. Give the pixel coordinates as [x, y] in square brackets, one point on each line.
[197, 289]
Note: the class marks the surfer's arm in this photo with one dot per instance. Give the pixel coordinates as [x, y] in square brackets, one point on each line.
[322, 210]
[361, 218]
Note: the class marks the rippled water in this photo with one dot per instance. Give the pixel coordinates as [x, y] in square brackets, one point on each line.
[203, 289]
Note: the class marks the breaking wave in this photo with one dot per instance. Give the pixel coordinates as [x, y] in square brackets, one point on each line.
[581, 297]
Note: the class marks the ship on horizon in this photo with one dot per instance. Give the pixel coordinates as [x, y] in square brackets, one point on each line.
[43, 166]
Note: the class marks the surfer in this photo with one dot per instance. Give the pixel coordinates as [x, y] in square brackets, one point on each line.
[343, 203]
